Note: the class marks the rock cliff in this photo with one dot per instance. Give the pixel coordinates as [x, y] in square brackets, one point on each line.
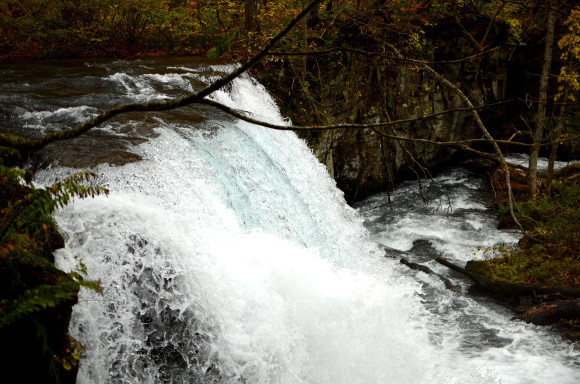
[353, 87]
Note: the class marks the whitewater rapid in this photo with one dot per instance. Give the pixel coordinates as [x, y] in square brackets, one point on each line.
[228, 255]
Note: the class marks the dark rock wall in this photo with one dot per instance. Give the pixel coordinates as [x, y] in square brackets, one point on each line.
[358, 88]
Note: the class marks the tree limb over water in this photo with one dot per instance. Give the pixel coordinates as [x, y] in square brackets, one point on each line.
[17, 142]
[423, 268]
[201, 98]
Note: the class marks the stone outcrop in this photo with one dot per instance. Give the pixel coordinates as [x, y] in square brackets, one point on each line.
[356, 88]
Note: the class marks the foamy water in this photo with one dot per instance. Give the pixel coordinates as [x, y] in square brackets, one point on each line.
[228, 255]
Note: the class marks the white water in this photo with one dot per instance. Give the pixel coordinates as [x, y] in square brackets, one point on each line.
[453, 226]
[228, 255]
[523, 159]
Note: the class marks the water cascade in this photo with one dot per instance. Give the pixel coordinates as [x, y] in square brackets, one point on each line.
[227, 255]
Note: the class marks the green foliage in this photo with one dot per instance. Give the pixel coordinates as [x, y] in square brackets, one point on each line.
[79, 276]
[22, 215]
[569, 44]
[65, 28]
[57, 28]
[551, 254]
[72, 355]
[36, 300]
[95, 27]
[34, 294]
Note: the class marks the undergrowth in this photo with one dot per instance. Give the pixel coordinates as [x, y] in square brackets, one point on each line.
[35, 296]
[550, 255]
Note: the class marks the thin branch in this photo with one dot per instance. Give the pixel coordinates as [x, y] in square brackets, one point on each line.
[420, 62]
[468, 34]
[33, 144]
[27, 144]
[491, 21]
[487, 136]
[481, 126]
[390, 57]
[416, 174]
[427, 174]
[458, 144]
[330, 127]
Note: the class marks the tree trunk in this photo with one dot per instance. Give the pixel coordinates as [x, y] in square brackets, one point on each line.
[251, 15]
[554, 149]
[543, 98]
[304, 42]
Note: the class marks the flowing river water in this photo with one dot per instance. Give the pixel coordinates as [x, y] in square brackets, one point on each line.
[226, 254]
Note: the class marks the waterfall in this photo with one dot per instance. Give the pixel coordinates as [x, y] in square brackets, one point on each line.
[228, 255]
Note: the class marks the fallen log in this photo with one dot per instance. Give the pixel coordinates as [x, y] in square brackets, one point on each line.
[504, 288]
[459, 269]
[423, 268]
[552, 312]
[568, 170]
[537, 304]
[395, 250]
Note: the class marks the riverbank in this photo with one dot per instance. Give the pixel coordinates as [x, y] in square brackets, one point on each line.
[540, 277]
[36, 298]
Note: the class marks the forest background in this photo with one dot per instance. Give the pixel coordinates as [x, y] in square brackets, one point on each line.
[402, 34]
[417, 47]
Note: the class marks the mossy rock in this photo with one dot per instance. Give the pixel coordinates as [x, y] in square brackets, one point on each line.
[494, 284]
[486, 279]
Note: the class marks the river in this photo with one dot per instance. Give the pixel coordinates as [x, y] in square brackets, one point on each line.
[226, 254]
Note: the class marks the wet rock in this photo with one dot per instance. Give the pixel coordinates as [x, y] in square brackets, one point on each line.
[359, 89]
[552, 312]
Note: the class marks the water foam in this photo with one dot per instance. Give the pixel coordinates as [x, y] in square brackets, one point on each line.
[228, 255]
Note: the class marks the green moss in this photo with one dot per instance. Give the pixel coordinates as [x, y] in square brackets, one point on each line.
[550, 255]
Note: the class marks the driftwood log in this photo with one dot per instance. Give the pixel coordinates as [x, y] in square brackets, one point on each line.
[571, 170]
[550, 305]
[552, 312]
[509, 289]
[429, 271]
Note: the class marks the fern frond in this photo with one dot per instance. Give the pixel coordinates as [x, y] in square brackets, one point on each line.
[36, 300]
[11, 174]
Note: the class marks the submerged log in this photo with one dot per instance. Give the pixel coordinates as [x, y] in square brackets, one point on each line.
[537, 304]
[429, 271]
[394, 250]
[461, 270]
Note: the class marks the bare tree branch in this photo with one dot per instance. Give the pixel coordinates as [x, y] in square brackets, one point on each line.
[375, 54]
[280, 127]
[34, 144]
[481, 126]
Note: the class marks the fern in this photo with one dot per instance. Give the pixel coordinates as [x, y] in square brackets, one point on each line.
[43, 202]
[62, 192]
[32, 290]
[36, 300]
